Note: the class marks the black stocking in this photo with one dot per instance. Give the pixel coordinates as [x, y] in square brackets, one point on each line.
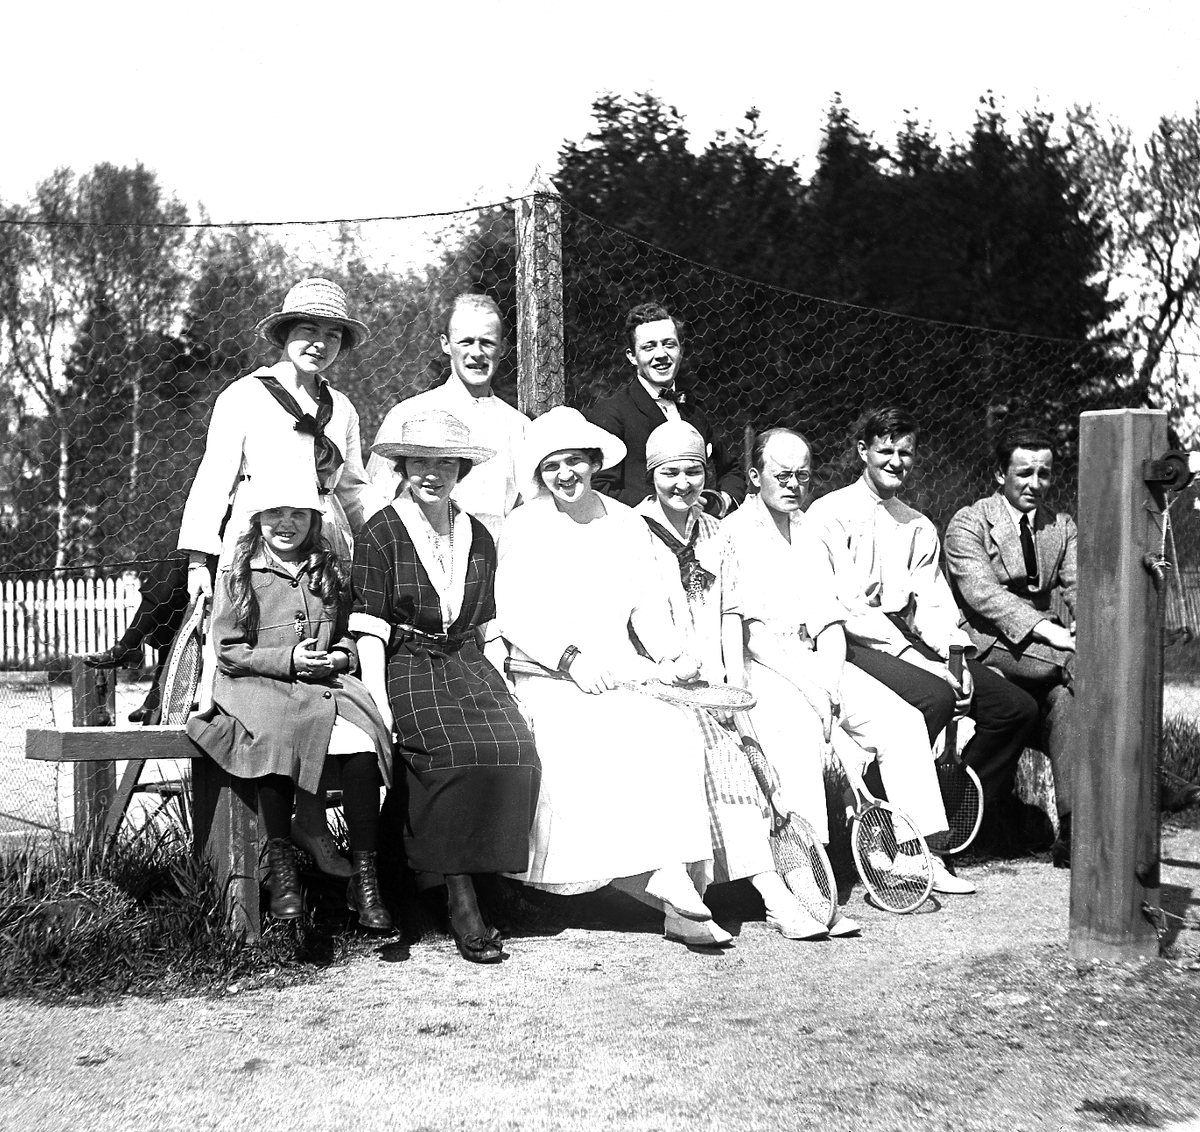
[276, 793]
[360, 799]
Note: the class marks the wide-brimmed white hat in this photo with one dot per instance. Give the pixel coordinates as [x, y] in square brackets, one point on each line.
[261, 492]
[314, 298]
[434, 433]
[563, 430]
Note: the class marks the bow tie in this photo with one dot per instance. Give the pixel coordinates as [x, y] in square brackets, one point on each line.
[672, 394]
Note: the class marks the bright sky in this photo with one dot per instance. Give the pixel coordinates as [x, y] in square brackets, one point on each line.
[350, 109]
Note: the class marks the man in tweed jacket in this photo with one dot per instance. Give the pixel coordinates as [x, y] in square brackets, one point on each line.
[1011, 562]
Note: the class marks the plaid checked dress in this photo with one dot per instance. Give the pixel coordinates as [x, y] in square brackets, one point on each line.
[738, 814]
[472, 770]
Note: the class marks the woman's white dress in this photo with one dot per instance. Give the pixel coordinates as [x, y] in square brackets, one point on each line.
[622, 774]
[738, 812]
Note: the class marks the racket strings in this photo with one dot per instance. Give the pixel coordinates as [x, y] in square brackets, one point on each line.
[962, 797]
[891, 858]
[179, 696]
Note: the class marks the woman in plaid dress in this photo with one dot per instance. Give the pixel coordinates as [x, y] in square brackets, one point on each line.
[700, 573]
[622, 774]
[423, 576]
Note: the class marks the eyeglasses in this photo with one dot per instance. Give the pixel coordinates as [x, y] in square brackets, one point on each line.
[802, 477]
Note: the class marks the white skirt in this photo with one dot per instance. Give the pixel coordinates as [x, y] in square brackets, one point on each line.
[622, 786]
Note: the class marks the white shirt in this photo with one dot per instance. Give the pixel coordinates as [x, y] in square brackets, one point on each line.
[788, 586]
[885, 558]
[669, 408]
[492, 488]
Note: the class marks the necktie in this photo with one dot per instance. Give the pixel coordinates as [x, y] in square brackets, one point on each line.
[1031, 564]
[671, 394]
[695, 578]
[327, 454]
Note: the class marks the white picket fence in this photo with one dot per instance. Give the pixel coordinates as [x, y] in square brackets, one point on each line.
[45, 620]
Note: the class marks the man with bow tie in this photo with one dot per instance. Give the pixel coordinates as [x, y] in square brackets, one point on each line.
[655, 350]
[1011, 562]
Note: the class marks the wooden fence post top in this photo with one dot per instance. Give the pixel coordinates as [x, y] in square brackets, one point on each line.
[539, 185]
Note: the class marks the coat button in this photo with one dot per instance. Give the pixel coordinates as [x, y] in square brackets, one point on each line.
[295, 582]
[329, 695]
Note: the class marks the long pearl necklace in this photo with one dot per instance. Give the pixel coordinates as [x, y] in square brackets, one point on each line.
[444, 560]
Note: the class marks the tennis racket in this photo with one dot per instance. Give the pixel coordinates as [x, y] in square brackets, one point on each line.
[716, 697]
[962, 792]
[800, 858]
[184, 662]
[890, 854]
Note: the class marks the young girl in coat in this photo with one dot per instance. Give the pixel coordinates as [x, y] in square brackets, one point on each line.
[284, 697]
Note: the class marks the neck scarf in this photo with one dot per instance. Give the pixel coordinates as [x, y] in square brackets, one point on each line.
[327, 454]
[695, 578]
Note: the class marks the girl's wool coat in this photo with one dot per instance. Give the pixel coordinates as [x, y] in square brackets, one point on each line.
[264, 720]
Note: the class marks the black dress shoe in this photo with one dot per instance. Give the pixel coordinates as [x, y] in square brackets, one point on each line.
[149, 713]
[116, 657]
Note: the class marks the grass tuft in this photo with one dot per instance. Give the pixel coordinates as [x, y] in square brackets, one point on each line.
[146, 917]
[1181, 748]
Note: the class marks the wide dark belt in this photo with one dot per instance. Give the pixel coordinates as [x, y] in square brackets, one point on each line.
[434, 642]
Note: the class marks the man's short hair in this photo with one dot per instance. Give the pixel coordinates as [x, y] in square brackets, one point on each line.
[757, 459]
[1021, 436]
[890, 421]
[476, 300]
[649, 312]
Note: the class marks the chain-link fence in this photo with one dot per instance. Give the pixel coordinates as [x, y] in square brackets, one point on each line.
[117, 339]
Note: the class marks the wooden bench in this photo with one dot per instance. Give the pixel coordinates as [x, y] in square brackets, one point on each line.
[225, 823]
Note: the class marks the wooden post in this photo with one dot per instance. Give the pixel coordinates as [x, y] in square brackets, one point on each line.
[225, 811]
[93, 704]
[1114, 853]
[540, 379]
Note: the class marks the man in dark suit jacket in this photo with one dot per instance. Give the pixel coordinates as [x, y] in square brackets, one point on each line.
[655, 349]
[1011, 560]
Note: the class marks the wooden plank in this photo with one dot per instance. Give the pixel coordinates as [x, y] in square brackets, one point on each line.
[1114, 854]
[540, 378]
[109, 744]
[225, 813]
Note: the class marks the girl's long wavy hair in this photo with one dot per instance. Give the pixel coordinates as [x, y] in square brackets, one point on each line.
[327, 579]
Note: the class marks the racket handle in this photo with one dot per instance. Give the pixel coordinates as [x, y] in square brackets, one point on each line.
[515, 667]
[955, 663]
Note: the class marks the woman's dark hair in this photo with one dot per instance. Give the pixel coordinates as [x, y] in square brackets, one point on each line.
[282, 329]
[887, 422]
[649, 312]
[464, 466]
[757, 459]
[594, 455]
[1021, 436]
[327, 579]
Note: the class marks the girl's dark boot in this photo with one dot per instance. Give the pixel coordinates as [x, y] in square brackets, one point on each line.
[362, 895]
[283, 882]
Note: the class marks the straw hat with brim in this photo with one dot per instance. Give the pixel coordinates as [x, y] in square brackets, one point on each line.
[263, 493]
[314, 298]
[437, 434]
[566, 430]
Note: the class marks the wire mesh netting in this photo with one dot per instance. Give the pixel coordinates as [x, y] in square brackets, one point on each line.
[117, 340]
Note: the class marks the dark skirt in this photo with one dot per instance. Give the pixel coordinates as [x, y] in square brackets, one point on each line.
[472, 770]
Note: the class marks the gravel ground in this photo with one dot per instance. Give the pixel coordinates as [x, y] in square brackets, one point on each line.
[967, 1015]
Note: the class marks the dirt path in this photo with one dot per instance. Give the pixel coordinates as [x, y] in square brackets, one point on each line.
[967, 1016]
